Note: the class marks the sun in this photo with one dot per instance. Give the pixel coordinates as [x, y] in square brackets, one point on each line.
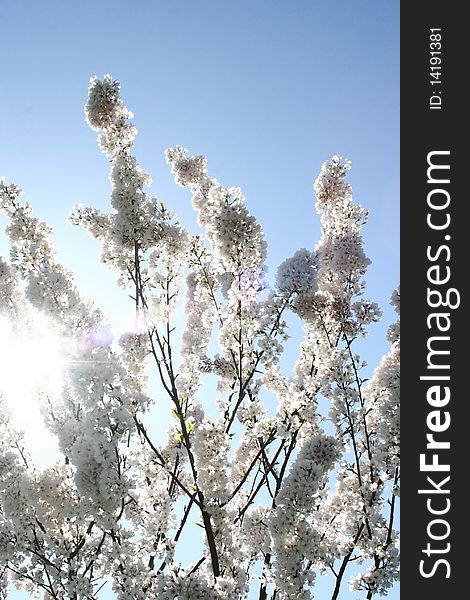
[32, 370]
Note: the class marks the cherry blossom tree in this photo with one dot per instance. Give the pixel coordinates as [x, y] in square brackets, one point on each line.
[275, 496]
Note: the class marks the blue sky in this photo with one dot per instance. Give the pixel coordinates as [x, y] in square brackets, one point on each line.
[266, 90]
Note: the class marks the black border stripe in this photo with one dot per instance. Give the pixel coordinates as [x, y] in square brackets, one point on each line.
[424, 130]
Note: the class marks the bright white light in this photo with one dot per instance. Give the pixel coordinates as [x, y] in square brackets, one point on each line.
[31, 367]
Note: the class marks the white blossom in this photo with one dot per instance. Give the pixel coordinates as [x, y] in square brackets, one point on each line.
[273, 475]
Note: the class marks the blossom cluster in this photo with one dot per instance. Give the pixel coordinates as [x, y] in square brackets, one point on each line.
[274, 477]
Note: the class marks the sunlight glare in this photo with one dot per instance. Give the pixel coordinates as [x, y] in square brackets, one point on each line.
[31, 368]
